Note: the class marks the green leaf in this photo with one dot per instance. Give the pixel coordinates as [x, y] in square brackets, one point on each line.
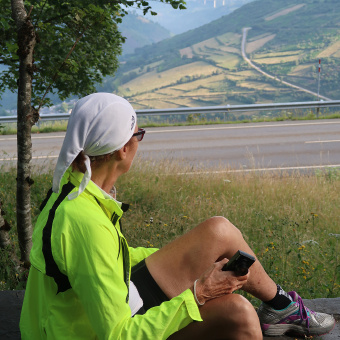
[11, 47]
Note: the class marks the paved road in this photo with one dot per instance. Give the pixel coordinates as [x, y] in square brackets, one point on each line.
[300, 144]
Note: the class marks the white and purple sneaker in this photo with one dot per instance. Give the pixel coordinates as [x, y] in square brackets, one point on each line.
[296, 318]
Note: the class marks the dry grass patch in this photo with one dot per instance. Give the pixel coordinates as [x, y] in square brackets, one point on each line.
[277, 54]
[193, 85]
[257, 86]
[257, 44]
[276, 60]
[331, 50]
[196, 92]
[227, 60]
[247, 73]
[230, 38]
[152, 80]
[186, 52]
[301, 70]
[171, 91]
[284, 12]
[210, 43]
[229, 49]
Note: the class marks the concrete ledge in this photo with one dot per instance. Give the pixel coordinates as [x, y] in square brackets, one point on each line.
[10, 308]
[11, 302]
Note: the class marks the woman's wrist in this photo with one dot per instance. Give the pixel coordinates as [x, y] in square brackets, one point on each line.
[195, 295]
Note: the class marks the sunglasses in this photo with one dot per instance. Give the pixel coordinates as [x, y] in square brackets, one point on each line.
[140, 134]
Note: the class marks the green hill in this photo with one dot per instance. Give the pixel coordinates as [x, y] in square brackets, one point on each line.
[197, 13]
[204, 66]
[140, 31]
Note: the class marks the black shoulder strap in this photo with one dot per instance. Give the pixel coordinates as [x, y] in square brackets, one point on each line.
[43, 203]
[51, 267]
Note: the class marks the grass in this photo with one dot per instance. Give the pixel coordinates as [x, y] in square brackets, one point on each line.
[257, 44]
[201, 119]
[291, 222]
[41, 127]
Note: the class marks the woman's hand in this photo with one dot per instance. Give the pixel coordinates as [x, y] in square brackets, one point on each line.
[215, 282]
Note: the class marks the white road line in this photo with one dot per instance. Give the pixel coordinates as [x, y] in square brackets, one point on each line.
[323, 141]
[263, 169]
[35, 157]
[33, 137]
[241, 127]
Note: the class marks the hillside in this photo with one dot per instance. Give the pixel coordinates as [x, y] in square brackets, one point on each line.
[204, 66]
[140, 31]
[197, 13]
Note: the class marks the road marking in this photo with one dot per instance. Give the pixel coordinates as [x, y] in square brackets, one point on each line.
[262, 169]
[33, 137]
[240, 127]
[323, 141]
[35, 157]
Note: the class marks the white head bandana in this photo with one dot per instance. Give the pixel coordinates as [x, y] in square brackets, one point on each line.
[99, 124]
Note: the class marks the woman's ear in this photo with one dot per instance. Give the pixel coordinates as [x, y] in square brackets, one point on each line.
[121, 153]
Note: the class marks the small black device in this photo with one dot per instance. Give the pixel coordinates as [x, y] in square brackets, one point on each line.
[239, 263]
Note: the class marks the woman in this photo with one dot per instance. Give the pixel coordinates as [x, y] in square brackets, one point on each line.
[81, 285]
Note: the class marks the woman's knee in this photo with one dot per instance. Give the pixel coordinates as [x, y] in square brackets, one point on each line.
[221, 229]
[235, 314]
[239, 306]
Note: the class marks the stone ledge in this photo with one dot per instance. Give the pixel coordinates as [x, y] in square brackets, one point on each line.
[10, 308]
[11, 302]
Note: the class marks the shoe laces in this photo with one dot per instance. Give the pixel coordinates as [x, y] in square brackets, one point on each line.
[303, 311]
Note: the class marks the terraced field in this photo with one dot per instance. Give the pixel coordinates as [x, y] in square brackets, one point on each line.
[213, 72]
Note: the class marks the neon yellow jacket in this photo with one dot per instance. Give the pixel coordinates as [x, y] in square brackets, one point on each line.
[86, 248]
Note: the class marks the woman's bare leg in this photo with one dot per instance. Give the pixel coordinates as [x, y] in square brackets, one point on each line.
[177, 265]
[230, 317]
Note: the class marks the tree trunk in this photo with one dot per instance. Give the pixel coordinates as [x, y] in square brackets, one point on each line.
[27, 117]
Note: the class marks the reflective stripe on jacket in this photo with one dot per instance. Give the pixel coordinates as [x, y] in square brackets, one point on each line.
[87, 249]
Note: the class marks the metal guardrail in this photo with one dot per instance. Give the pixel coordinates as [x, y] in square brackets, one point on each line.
[206, 109]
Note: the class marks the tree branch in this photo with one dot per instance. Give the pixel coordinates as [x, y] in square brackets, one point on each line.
[38, 17]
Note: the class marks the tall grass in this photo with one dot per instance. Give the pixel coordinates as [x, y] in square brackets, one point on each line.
[192, 119]
[291, 221]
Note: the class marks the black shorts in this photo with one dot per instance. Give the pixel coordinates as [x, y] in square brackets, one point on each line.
[147, 287]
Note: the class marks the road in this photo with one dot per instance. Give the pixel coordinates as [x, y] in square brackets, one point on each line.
[244, 55]
[237, 147]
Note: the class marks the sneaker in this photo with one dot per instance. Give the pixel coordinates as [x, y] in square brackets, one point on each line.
[296, 318]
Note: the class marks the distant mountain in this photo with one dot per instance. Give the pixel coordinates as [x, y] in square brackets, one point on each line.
[204, 66]
[197, 13]
[140, 31]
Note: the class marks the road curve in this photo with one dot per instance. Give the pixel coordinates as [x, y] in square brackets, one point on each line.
[244, 55]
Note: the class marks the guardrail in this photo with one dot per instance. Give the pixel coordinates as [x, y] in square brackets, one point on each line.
[206, 109]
